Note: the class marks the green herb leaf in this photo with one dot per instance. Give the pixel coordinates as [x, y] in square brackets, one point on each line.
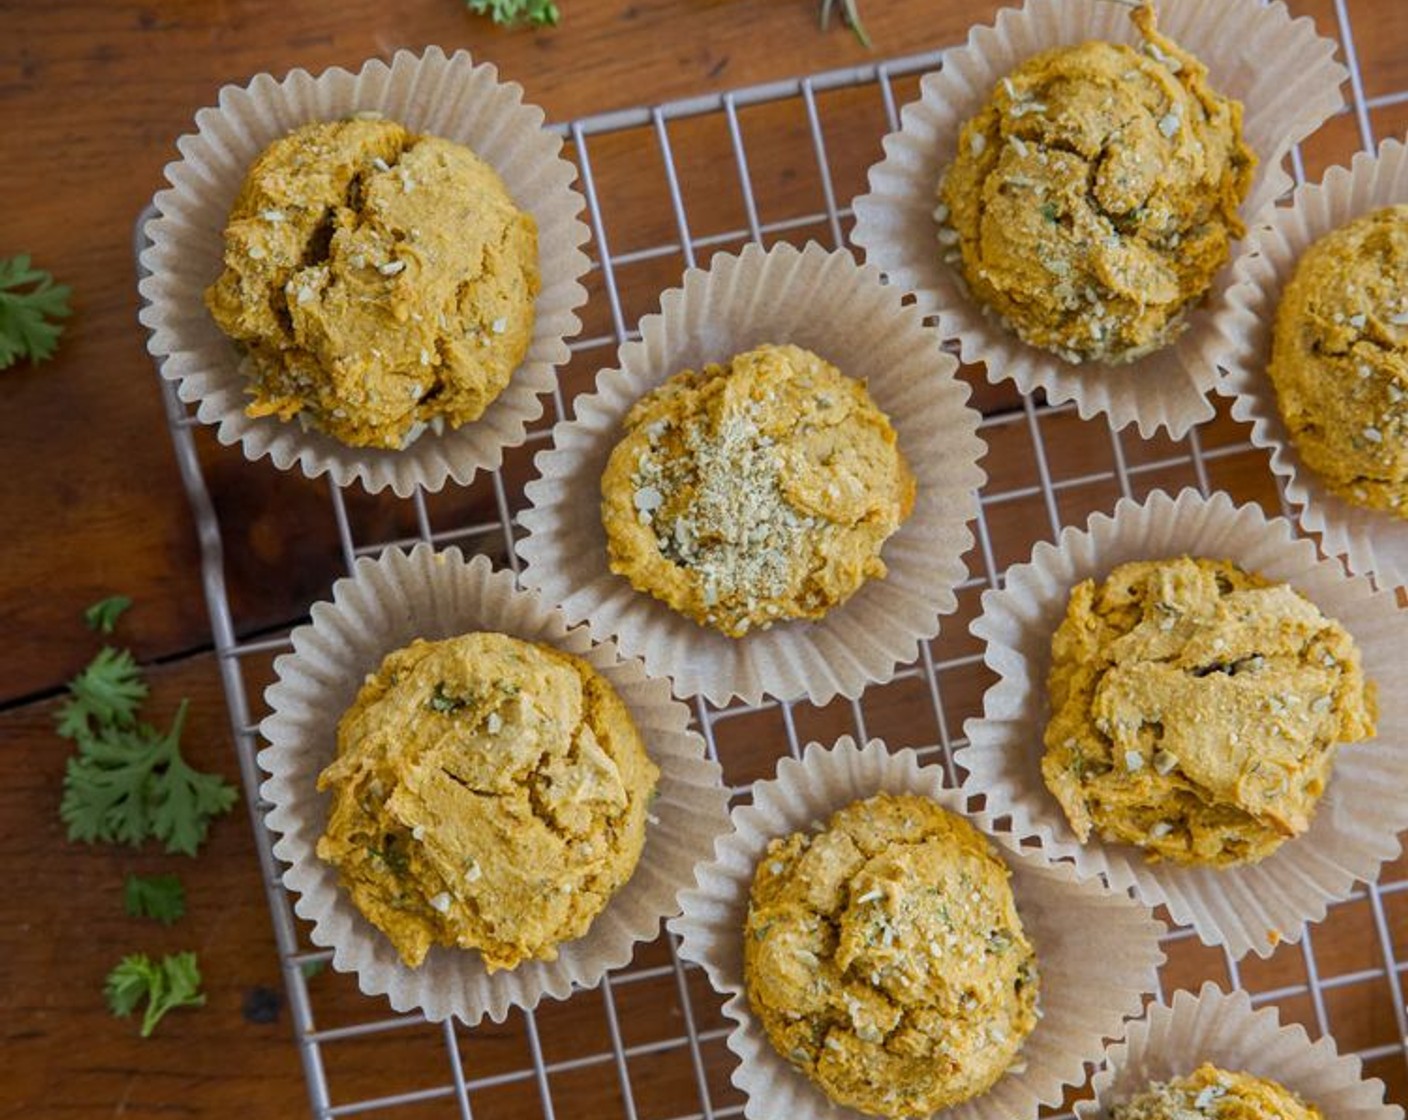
[29, 298]
[126, 785]
[185, 800]
[103, 615]
[154, 896]
[172, 982]
[107, 693]
[512, 13]
[128, 983]
[311, 969]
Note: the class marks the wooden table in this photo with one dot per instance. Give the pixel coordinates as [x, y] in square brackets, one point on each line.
[95, 93]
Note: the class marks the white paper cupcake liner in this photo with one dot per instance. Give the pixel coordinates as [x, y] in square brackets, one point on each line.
[1282, 72]
[425, 594]
[1373, 543]
[1213, 1026]
[429, 93]
[1246, 908]
[826, 302]
[1097, 951]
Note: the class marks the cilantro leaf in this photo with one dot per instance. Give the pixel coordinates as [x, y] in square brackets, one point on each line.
[185, 800]
[154, 896]
[510, 13]
[25, 329]
[109, 691]
[126, 785]
[850, 16]
[106, 786]
[103, 614]
[128, 983]
[172, 982]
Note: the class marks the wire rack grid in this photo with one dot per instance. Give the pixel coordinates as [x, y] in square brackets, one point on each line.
[648, 1044]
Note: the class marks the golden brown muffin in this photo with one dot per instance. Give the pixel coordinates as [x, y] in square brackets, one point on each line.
[377, 280]
[488, 793]
[1196, 710]
[885, 958]
[754, 491]
[1095, 196]
[1339, 360]
[1209, 1093]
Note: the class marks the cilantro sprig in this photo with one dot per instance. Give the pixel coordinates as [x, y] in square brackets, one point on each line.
[173, 981]
[106, 695]
[102, 616]
[544, 13]
[512, 13]
[154, 896]
[850, 16]
[30, 301]
[129, 784]
[127, 781]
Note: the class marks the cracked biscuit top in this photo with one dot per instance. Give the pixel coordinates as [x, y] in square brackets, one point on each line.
[1339, 360]
[1095, 196]
[757, 490]
[488, 793]
[885, 958]
[1209, 1093]
[1196, 710]
[377, 280]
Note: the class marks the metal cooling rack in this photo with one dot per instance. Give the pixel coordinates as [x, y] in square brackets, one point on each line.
[450, 1078]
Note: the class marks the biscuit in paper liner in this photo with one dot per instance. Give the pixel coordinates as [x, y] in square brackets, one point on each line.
[826, 302]
[1249, 908]
[446, 96]
[427, 594]
[1097, 951]
[1172, 1040]
[1285, 76]
[1373, 542]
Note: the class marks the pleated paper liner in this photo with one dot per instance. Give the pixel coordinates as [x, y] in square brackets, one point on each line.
[1097, 951]
[427, 594]
[1212, 1026]
[429, 93]
[1372, 542]
[1280, 69]
[1248, 908]
[826, 302]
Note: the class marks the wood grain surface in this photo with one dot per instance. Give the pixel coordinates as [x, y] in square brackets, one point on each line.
[94, 94]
